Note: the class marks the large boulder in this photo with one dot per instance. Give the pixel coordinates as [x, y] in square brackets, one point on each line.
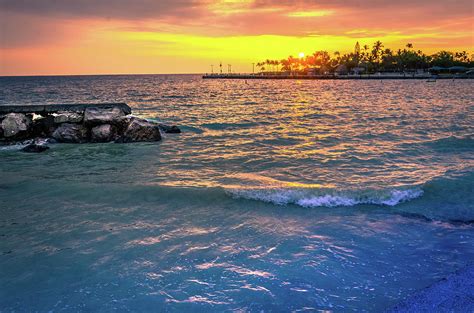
[103, 133]
[15, 126]
[141, 130]
[73, 133]
[43, 126]
[95, 116]
[68, 117]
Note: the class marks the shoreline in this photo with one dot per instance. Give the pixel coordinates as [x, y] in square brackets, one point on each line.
[455, 293]
[332, 77]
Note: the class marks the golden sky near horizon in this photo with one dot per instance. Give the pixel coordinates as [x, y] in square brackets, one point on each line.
[40, 37]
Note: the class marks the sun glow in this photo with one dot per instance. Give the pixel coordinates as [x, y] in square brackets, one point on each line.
[301, 55]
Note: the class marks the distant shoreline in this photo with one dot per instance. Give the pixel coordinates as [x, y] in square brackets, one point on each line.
[333, 77]
[95, 75]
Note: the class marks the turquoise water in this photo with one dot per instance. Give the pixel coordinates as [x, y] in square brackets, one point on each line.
[278, 196]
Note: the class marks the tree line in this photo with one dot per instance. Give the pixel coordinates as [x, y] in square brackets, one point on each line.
[368, 59]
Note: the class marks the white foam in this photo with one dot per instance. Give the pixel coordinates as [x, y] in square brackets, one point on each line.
[311, 198]
[327, 201]
[13, 147]
[399, 196]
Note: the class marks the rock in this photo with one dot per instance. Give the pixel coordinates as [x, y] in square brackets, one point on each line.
[170, 129]
[123, 122]
[43, 141]
[95, 116]
[68, 117]
[34, 148]
[15, 126]
[141, 130]
[103, 133]
[43, 126]
[73, 133]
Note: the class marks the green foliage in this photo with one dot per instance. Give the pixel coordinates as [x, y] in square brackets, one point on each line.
[370, 60]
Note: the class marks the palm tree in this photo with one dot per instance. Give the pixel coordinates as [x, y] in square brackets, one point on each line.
[388, 61]
[325, 60]
[291, 61]
[285, 65]
[377, 49]
[276, 63]
[376, 52]
[336, 60]
[269, 63]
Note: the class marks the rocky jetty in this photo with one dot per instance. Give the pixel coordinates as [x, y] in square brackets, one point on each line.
[81, 123]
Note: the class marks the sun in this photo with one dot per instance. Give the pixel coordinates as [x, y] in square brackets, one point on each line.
[301, 55]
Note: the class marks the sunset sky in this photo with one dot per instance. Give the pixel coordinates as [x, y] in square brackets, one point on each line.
[40, 37]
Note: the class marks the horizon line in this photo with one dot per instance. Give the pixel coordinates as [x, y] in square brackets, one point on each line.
[119, 74]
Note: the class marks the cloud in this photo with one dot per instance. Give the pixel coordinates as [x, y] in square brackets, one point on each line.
[57, 25]
[158, 9]
[303, 17]
[447, 6]
[110, 9]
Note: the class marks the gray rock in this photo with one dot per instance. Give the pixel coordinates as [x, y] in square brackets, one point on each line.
[73, 133]
[95, 116]
[103, 133]
[68, 117]
[15, 126]
[141, 130]
[34, 148]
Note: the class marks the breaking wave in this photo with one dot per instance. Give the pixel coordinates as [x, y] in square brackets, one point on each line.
[311, 198]
[446, 197]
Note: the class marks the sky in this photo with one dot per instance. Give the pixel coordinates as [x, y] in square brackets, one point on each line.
[48, 37]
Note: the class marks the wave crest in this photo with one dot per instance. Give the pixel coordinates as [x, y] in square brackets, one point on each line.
[311, 198]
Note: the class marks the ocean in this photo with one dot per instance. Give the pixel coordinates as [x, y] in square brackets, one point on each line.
[278, 196]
